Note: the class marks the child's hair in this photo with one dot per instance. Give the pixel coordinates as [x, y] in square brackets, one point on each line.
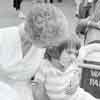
[72, 42]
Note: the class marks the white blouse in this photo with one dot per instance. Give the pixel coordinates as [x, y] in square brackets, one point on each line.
[11, 56]
[12, 64]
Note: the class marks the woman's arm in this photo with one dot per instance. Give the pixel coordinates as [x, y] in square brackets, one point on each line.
[38, 84]
[39, 91]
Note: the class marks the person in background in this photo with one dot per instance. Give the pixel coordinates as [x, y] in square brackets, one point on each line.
[17, 6]
[89, 57]
[84, 8]
[92, 20]
[89, 54]
[87, 14]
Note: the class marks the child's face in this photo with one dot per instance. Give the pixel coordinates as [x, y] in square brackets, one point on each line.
[67, 57]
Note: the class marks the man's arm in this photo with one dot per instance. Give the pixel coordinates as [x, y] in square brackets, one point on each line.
[89, 23]
[93, 24]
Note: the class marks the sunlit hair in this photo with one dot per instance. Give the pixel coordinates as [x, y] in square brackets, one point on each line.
[72, 42]
[46, 24]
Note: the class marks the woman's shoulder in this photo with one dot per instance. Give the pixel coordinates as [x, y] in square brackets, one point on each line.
[45, 65]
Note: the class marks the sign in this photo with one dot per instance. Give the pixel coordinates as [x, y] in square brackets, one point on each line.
[91, 81]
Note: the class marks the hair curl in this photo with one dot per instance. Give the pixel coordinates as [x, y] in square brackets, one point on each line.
[46, 24]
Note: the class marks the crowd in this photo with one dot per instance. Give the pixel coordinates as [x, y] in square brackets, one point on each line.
[41, 60]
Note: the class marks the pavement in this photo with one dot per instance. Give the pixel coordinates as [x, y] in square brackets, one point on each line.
[8, 15]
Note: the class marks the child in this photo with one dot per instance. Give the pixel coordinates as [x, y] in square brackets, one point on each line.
[58, 73]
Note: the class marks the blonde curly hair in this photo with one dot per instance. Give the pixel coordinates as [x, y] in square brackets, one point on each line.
[46, 25]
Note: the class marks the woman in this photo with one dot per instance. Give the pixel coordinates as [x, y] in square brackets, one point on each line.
[23, 48]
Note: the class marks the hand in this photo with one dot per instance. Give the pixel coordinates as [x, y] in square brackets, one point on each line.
[39, 92]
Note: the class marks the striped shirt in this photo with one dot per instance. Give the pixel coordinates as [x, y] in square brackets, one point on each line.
[56, 81]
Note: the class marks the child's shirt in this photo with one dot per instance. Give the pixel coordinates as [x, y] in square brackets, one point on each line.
[82, 95]
[56, 82]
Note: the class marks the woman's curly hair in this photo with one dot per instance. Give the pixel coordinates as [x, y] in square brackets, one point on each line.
[46, 24]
